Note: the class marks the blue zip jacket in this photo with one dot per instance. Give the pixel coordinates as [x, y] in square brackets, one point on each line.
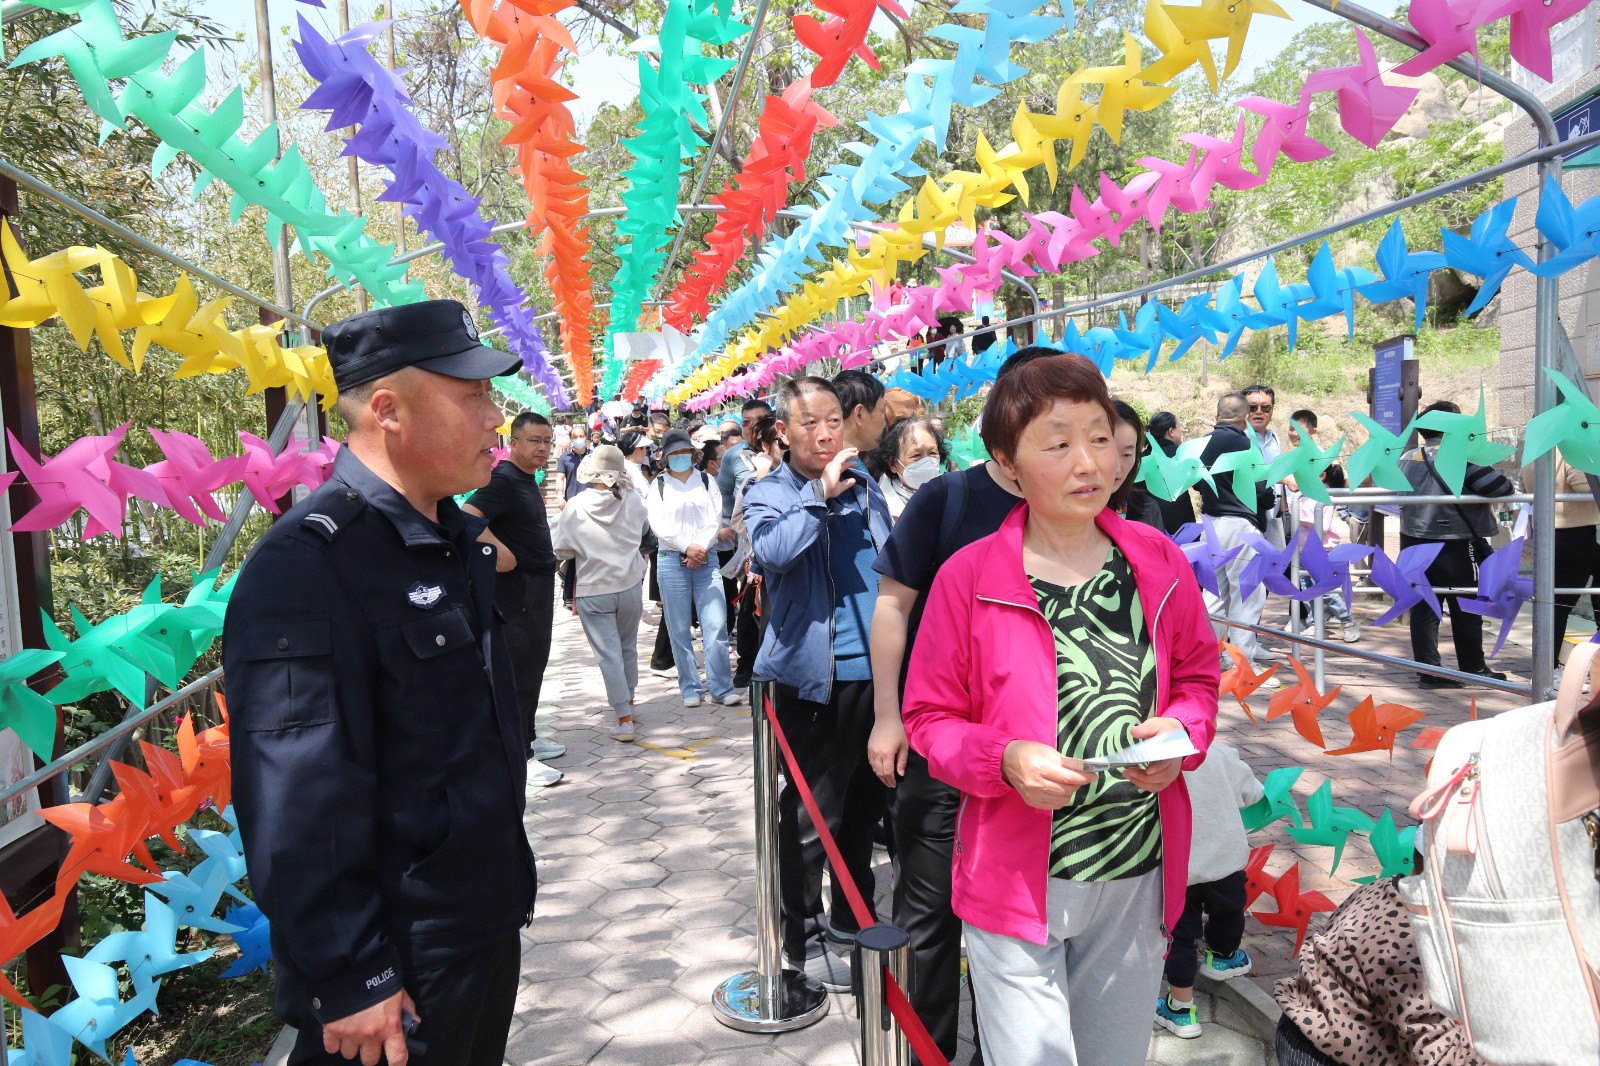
[786, 517]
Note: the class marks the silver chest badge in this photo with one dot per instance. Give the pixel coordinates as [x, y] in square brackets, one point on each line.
[424, 595]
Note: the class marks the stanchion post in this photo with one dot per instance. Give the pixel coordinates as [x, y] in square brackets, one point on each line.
[768, 999]
[882, 951]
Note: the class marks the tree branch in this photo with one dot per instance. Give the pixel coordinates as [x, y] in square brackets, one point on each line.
[628, 32]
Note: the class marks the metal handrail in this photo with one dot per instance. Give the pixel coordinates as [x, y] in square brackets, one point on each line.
[120, 731]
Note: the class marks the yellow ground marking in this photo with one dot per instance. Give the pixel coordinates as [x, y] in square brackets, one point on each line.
[686, 752]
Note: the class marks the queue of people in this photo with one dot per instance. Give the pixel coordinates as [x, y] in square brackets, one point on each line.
[815, 542]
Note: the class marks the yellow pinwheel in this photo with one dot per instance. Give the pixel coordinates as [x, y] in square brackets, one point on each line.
[1179, 51]
[1122, 89]
[1215, 19]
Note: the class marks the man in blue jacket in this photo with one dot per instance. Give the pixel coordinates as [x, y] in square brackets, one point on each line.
[816, 525]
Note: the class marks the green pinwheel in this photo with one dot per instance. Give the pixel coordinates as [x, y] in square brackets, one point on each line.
[1277, 800]
[1171, 476]
[1305, 463]
[1379, 457]
[1330, 825]
[1465, 440]
[1396, 849]
[1249, 469]
[1573, 425]
[24, 711]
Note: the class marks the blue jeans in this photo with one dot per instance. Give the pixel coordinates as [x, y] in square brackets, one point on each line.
[685, 590]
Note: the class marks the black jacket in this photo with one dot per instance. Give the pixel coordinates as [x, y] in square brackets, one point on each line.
[379, 772]
[1449, 521]
[1224, 502]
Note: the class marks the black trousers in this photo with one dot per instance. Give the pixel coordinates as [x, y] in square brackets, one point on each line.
[528, 602]
[1457, 565]
[746, 632]
[830, 751]
[922, 815]
[1577, 564]
[1293, 1049]
[1215, 908]
[464, 1008]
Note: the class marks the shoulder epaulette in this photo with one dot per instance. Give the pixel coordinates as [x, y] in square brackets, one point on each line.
[333, 511]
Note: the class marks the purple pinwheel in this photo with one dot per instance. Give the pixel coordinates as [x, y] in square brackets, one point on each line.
[1501, 589]
[1329, 570]
[1269, 566]
[1406, 579]
[1205, 552]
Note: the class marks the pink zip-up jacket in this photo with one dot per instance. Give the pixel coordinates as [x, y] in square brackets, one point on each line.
[989, 677]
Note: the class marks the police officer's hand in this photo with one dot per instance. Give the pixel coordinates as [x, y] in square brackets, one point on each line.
[372, 1033]
[1040, 775]
[504, 561]
[835, 479]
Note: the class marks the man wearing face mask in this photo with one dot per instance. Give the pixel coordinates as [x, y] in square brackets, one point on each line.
[909, 455]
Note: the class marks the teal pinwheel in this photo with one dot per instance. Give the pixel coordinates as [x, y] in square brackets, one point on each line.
[1169, 477]
[1330, 825]
[1396, 849]
[1465, 440]
[1249, 469]
[24, 711]
[1572, 425]
[1277, 800]
[1305, 463]
[1379, 457]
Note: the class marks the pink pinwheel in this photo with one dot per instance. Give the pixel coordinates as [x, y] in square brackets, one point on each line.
[1449, 28]
[1531, 23]
[189, 475]
[268, 476]
[1406, 579]
[1226, 157]
[82, 475]
[1094, 219]
[1129, 202]
[1368, 108]
[1284, 132]
[1501, 589]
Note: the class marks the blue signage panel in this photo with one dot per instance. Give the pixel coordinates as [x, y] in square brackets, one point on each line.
[1386, 406]
[1576, 121]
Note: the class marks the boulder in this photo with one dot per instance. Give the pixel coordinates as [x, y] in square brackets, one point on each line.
[1431, 107]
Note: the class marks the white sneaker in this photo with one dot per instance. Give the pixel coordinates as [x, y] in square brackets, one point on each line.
[664, 671]
[547, 749]
[732, 699]
[1352, 629]
[692, 701]
[540, 775]
[1269, 683]
[623, 731]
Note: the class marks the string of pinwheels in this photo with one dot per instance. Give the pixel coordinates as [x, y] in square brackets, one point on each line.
[1368, 109]
[1219, 318]
[107, 839]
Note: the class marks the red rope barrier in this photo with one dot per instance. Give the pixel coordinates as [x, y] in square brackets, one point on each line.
[916, 1033]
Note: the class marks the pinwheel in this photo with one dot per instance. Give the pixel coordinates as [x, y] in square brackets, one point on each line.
[1449, 28]
[1575, 231]
[19, 934]
[98, 1012]
[1230, 316]
[1277, 800]
[1205, 552]
[1303, 702]
[1396, 849]
[1147, 336]
[1379, 457]
[1573, 425]
[1187, 324]
[1249, 469]
[1405, 273]
[1123, 88]
[1374, 726]
[1305, 463]
[1501, 589]
[1284, 132]
[1268, 566]
[1464, 440]
[254, 941]
[189, 475]
[1257, 882]
[97, 55]
[194, 896]
[1329, 825]
[1405, 580]
[1241, 681]
[1328, 571]
[82, 475]
[43, 1044]
[1531, 23]
[1368, 108]
[1179, 50]
[24, 711]
[1274, 304]
[1486, 252]
[1295, 908]
[1218, 19]
[148, 952]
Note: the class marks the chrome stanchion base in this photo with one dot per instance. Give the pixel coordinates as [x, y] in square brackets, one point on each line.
[737, 1003]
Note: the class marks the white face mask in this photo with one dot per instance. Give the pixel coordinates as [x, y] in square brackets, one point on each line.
[919, 473]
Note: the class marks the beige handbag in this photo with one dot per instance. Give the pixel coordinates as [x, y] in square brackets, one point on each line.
[1506, 911]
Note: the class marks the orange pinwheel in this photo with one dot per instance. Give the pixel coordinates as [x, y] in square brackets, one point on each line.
[1242, 681]
[103, 837]
[19, 934]
[1303, 701]
[1375, 726]
[205, 758]
[1295, 908]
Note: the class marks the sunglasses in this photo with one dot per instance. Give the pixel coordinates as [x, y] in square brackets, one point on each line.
[1261, 407]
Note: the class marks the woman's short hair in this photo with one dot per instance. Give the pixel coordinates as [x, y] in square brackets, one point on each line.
[1162, 423]
[898, 404]
[1032, 387]
[878, 460]
[1121, 494]
[631, 441]
[761, 433]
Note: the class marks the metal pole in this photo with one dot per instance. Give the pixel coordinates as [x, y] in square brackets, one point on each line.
[1319, 611]
[882, 951]
[768, 999]
[282, 284]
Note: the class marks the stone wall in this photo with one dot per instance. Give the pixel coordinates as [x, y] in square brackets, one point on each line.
[1580, 288]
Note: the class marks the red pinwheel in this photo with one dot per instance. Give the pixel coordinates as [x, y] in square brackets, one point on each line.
[1295, 908]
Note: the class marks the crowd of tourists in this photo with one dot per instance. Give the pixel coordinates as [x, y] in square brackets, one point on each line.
[1006, 673]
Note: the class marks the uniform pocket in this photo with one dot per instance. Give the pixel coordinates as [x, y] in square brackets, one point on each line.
[438, 634]
[289, 673]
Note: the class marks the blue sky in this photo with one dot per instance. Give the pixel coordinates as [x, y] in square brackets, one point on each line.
[599, 78]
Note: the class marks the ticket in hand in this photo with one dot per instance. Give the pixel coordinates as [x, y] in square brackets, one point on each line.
[1174, 744]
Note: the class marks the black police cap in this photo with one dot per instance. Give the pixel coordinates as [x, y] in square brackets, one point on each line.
[436, 335]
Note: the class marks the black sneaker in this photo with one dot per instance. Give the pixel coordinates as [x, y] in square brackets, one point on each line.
[1428, 681]
[1495, 675]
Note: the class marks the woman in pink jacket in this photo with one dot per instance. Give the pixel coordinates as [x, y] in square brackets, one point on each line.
[1069, 634]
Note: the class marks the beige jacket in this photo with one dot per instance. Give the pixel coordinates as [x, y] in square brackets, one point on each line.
[1569, 479]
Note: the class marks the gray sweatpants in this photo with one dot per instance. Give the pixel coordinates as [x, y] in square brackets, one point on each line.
[611, 622]
[1087, 995]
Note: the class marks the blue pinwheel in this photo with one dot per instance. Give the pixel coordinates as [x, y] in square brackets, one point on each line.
[1186, 325]
[194, 896]
[254, 943]
[1573, 230]
[149, 952]
[1230, 317]
[1486, 252]
[99, 1012]
[1205, 552]
[1405, 273]
[1406, 579]
[1501, 589]
[1317, 296]
[43, 1044]
[1147, 336]
[1276, 309]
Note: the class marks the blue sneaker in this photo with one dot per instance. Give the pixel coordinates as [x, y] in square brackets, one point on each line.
[1225, 967]
[1179, 1021]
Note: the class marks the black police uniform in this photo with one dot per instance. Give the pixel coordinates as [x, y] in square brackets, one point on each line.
[379, 767]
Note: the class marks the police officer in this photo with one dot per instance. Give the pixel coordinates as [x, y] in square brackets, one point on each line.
[378, 757]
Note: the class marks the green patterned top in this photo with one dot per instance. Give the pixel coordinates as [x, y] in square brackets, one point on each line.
[1106, 683]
